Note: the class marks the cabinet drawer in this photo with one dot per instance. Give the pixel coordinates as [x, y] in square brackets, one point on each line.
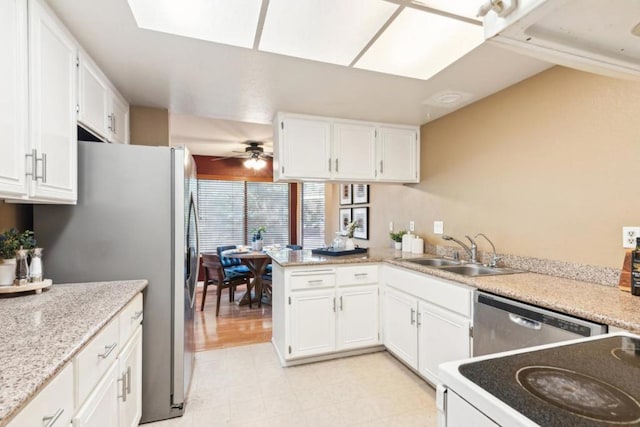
[313, 279]
[94, 360]
[130, 318]
[55, 401]
[357, 275]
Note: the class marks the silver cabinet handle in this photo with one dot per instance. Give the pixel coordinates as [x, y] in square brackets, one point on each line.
[128, 379]
[419, 319]
[137, 315]
[336, 165]
[114, 123]
[413, 318]
[361, 274]
[107, 350]
[341, 309]
[381, 167]
[34, 163]
[44, 167]
[329, 164]
[49, 421]
[334, 304]
[313, 282]
[123, 388]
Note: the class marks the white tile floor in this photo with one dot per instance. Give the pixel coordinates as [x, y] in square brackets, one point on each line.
[245, 386]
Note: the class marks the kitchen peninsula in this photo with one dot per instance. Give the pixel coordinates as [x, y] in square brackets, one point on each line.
[45, 339]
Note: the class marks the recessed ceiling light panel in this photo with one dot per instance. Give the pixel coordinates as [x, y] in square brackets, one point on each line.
[419, 44]
[220, 21]
[466, 8]
[333, 31]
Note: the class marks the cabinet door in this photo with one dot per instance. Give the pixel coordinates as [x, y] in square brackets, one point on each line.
[119, 120]
[130, 396]
[305, 148]
[354, 154]
[52, 101]
[358, 317]
[398, 154]
[101, 407]
[400, 326]
[312, 322]
[13, 102]
[93, 98]
[53, 406]
[443, 336]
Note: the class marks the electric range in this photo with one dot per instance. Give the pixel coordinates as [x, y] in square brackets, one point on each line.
[586, 382]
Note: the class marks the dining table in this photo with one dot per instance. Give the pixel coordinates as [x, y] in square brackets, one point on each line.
[257, 262]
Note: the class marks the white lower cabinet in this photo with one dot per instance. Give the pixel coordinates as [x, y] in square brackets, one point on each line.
[53, 406]
[324, 311]
[420, 333]
[400, 326]
[101, 408]
[312, 316]
[443, 336]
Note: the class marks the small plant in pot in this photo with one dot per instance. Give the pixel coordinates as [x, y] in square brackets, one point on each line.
[256, 241]
[397, 238]
[10, 241]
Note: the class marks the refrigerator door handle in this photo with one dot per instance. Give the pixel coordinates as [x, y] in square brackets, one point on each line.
[194, 264]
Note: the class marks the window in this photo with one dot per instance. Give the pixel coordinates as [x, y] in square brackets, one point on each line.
[313, 215]
[229, 210]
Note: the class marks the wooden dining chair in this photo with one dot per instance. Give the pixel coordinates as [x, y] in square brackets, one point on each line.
[214, 274]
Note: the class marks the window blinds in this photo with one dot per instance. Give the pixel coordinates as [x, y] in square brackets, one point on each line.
[313, 233]
[268, 205]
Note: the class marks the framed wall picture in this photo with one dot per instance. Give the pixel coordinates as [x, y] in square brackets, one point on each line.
[345, 194]
[345, 219]
[360, 194]
[361, 215]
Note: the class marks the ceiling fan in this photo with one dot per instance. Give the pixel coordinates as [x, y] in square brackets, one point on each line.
[254, 154]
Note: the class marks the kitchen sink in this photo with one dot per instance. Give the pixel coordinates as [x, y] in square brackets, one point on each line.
[434, 262]
[461, 268]
[479, 270]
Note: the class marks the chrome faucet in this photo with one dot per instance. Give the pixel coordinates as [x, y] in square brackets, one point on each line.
[472, 250]
[494, 258]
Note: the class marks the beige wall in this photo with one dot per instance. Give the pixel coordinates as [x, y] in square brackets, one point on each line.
[149, 126]
[547, 168]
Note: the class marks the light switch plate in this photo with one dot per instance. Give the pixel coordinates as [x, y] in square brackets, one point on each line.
[438, 227]
[390, 226]
[412, 226]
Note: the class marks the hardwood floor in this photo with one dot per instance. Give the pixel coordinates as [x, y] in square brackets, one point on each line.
[236, 325]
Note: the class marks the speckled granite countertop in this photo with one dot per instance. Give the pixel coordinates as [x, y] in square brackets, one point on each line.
[41, 333]
[599, 303]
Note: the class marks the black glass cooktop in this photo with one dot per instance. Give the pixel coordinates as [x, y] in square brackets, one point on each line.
[594, 383]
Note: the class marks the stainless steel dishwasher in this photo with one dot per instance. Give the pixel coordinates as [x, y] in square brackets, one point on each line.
[501, 324]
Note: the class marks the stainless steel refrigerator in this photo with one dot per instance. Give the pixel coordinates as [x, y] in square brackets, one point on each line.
[135, 219]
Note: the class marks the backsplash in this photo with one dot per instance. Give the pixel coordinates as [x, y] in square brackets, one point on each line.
[606, 276]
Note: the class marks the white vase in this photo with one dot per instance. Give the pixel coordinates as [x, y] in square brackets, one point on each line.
[349, 245]
[398, 246]
[256, 245]
[7, 271]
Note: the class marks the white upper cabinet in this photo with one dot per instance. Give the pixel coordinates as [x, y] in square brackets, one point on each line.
[304, 148]
[13, 102]
[53, 55]
[329, 149]
[354, 151]
[100, 108]
[398, 154]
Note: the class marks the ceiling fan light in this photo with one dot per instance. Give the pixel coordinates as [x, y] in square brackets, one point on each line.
[250, 163]
[259, 164]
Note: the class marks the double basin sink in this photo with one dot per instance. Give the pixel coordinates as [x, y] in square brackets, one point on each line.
[464, 269]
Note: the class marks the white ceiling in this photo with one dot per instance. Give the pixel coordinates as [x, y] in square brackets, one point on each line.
[210, 80]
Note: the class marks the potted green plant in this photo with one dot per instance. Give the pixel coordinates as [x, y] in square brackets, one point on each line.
[256, 241]
[397, 238]
[10, 241]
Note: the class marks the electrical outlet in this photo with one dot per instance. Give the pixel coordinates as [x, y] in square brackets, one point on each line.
[629, 235]
[412, 226]
[438, 227]
[390, 226]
